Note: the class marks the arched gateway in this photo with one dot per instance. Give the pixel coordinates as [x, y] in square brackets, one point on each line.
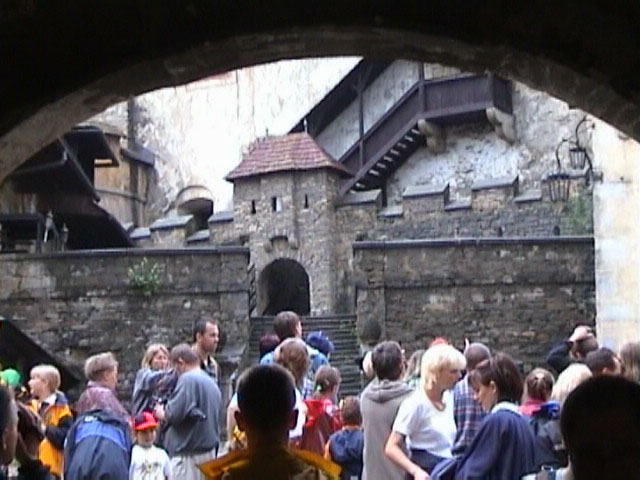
[284, 285]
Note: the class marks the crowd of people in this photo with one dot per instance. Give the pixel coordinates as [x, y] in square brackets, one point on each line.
[442, 414]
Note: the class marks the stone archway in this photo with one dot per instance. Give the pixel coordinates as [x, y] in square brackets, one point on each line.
[284, 285]
[586, 54]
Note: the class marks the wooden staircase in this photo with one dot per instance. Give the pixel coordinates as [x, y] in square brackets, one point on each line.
[341, 331]
[396, 136]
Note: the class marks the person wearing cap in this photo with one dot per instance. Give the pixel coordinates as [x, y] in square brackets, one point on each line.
[11, 377]
[321, 342]
[148, 462]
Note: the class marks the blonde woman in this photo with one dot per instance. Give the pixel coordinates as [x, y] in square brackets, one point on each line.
[155, 363]
[630, 357]
[568, 380]
[551, 448]
[425, 419]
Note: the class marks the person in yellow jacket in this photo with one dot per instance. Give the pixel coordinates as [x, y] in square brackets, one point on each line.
[266, 399]
[53, 409]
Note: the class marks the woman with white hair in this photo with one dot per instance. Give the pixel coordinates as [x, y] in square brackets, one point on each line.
[425, 419]
[551, 447]
[102, 372]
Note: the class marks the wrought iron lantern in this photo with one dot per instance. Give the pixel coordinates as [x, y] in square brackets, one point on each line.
[578, 157]
[559, 182]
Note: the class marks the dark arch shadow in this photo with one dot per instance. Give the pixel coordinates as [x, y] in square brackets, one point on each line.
[284, 285]
[584, 54]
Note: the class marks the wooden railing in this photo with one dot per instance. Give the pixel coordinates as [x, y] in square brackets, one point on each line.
[446, 101]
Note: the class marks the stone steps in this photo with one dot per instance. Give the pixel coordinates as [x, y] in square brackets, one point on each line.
[341, 331]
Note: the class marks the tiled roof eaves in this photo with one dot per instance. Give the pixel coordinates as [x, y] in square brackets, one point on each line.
[248, 174]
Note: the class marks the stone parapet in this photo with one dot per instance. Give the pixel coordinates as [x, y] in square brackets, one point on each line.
[370, 197]
[495, 193]
[419, 200]
[172, 231]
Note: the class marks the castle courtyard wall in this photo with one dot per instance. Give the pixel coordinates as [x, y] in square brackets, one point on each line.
[76, 304]
[518, 296]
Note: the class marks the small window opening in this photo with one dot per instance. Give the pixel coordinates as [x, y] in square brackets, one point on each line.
[253, 207]
[500, 232]
[276, 204]
[306, 201]
[556, 231]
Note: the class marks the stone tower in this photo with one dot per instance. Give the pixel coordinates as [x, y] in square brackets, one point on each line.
[284, 195]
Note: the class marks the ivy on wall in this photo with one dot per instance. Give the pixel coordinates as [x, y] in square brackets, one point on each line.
[579, 212]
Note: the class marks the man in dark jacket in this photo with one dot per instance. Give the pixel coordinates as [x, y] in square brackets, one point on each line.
[379, 403]
[98, 445]
[574, 349]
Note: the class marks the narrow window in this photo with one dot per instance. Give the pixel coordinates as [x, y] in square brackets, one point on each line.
[306, 201]
[253, 207]
[276, 204]
[556, 231]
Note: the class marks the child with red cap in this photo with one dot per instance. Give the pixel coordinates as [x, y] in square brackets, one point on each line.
[148, 462]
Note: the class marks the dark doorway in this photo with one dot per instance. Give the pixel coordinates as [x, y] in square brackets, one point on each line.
[284, 285]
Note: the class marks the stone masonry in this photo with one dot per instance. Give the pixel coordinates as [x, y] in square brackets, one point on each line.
[516, 295]
[78, 304]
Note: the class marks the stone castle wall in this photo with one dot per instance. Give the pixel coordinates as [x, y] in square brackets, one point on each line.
[320, 235]
[476, 152]
[518, 296]
[496, 209]
[77, 304]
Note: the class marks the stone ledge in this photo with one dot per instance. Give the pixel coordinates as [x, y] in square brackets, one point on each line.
[571, 174]
[199, 236]
[529, 196]
[128, 252]
[140, 233]
[457, 242]
[494, 183]
[171, 222]
[221, 217]
[456, 205]
[359, 198]
[417, 191]
[129, 227]
[391, 211]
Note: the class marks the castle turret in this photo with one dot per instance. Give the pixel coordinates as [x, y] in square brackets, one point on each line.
[284, 193]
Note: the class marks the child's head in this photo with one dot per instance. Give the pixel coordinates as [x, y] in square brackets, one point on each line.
[144, 424]
[350, 412]
[266, 400]
[538, 385]
[45, 380]
[326, 381]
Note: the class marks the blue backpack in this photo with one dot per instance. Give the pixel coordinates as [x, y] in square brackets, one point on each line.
[97, 447]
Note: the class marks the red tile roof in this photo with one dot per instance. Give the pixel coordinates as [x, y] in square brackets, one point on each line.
[296, 151]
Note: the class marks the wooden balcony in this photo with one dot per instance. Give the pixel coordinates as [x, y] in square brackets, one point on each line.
[395, 136]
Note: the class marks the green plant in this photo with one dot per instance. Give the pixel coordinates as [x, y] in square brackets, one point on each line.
[146, 276]
[579, 212]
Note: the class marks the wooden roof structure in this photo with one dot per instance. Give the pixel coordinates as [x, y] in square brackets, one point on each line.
[286, 153]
